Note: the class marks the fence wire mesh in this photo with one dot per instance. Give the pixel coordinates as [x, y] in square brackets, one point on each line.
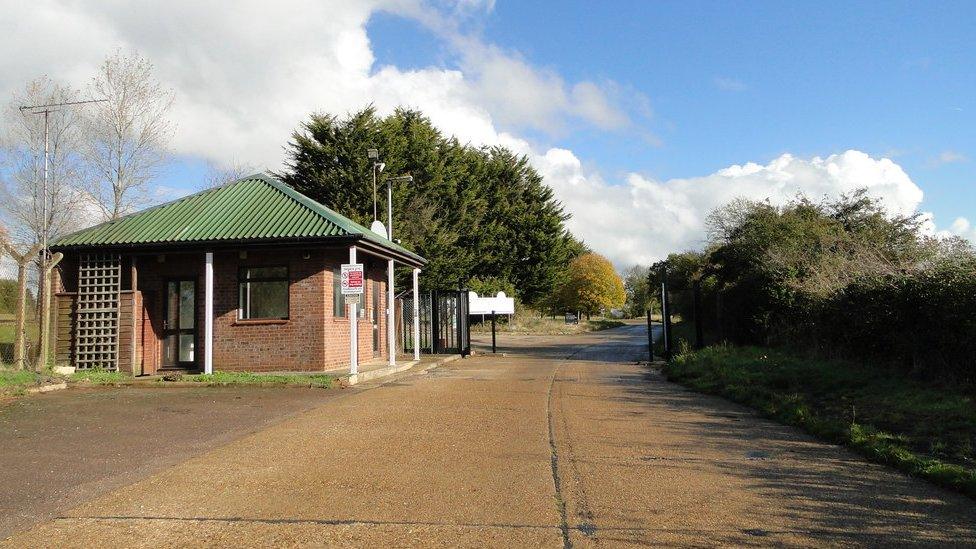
[8, 316]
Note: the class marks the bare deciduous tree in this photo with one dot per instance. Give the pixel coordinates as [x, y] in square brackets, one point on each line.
[218, 176]
[23, 158]
[126, 135]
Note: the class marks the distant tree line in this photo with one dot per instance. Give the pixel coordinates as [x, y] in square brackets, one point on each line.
[482, 215]
[839, 278]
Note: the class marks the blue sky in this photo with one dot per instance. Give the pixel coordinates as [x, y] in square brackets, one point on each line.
[735, 82]
[643, 117]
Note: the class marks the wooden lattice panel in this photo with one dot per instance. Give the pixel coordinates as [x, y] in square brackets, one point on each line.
[97, 321]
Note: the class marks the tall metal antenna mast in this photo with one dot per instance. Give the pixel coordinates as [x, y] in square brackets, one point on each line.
[46, 110]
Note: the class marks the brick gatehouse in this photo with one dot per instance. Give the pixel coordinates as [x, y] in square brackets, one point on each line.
[243, 277]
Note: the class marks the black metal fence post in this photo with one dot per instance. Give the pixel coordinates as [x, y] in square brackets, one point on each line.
[666, 316]
[435, 323]
[493, 332]
[466, 318]
[650, 338]
[696, 300]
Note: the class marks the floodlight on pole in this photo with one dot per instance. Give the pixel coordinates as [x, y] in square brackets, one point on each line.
[374, 155]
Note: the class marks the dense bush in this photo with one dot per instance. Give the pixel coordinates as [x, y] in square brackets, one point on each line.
[8, 297]
[843, 279]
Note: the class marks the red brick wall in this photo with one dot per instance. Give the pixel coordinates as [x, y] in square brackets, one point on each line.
[337, 329]
[151, 283]
[294, 344]
[311, 339]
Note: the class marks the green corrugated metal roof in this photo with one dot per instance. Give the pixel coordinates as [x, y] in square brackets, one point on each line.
[257, 207]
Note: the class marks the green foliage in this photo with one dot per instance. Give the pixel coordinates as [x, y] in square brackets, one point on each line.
[641, 295]
[490, 286]
[100, 376]
[475, 213]
[592, 286]
[8, 298]
[928, 430]
[246, 378]
[842, 279]
[14, 380]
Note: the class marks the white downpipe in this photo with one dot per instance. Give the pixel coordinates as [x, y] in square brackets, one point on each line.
[353, 327]
[208, 314]
[416, 314]
[390, 317]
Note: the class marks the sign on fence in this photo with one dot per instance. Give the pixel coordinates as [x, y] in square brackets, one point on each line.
[352, 278]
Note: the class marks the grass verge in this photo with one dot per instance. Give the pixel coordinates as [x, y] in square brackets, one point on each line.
[17, 381]
[246, 378]
[924, 430]
[98, 376]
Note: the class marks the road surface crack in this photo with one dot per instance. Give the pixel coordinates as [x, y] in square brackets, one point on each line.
[554, 453]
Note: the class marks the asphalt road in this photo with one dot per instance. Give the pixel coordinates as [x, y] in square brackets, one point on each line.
[63, 448]
[565, 441]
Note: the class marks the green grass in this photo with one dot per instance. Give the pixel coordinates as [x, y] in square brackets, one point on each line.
[99, 376]
[922, 429]
[247, 378]
[8, 330]
[12, 381]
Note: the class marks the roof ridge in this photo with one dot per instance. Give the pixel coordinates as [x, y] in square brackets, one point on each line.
[316, 205]
[207, 210]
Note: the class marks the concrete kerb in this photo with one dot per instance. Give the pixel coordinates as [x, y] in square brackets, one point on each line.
[47, 388]
[378, 373]
[340, 380]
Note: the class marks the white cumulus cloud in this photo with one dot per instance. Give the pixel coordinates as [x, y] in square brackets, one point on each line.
[642, 220]
[247, 73]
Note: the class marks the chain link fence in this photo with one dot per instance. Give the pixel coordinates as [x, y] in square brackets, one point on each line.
[8, 314]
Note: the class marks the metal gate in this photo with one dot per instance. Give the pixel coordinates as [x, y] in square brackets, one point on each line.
[444, 328]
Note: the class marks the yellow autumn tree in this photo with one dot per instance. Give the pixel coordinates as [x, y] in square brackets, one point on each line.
[592, 285]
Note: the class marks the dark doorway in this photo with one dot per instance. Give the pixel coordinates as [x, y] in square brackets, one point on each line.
[375, 317]
[179, 324]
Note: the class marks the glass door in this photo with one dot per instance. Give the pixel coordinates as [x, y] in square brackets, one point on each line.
[179, 324]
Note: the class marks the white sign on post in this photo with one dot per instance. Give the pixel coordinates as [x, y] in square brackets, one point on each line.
[352, 278]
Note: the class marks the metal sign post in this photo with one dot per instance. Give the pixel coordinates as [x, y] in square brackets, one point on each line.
[352, 278]
[352, 284]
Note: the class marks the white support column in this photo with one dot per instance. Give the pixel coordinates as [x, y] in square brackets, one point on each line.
[390, 317]
[208, 315]
[353, 327]
[416, 314]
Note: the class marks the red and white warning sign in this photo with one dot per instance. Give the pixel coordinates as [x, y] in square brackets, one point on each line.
[352, 278]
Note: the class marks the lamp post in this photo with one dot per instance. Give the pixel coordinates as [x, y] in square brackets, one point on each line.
[374, 155]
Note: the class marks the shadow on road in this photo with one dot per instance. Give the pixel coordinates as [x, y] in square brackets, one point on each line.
[836, 495]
